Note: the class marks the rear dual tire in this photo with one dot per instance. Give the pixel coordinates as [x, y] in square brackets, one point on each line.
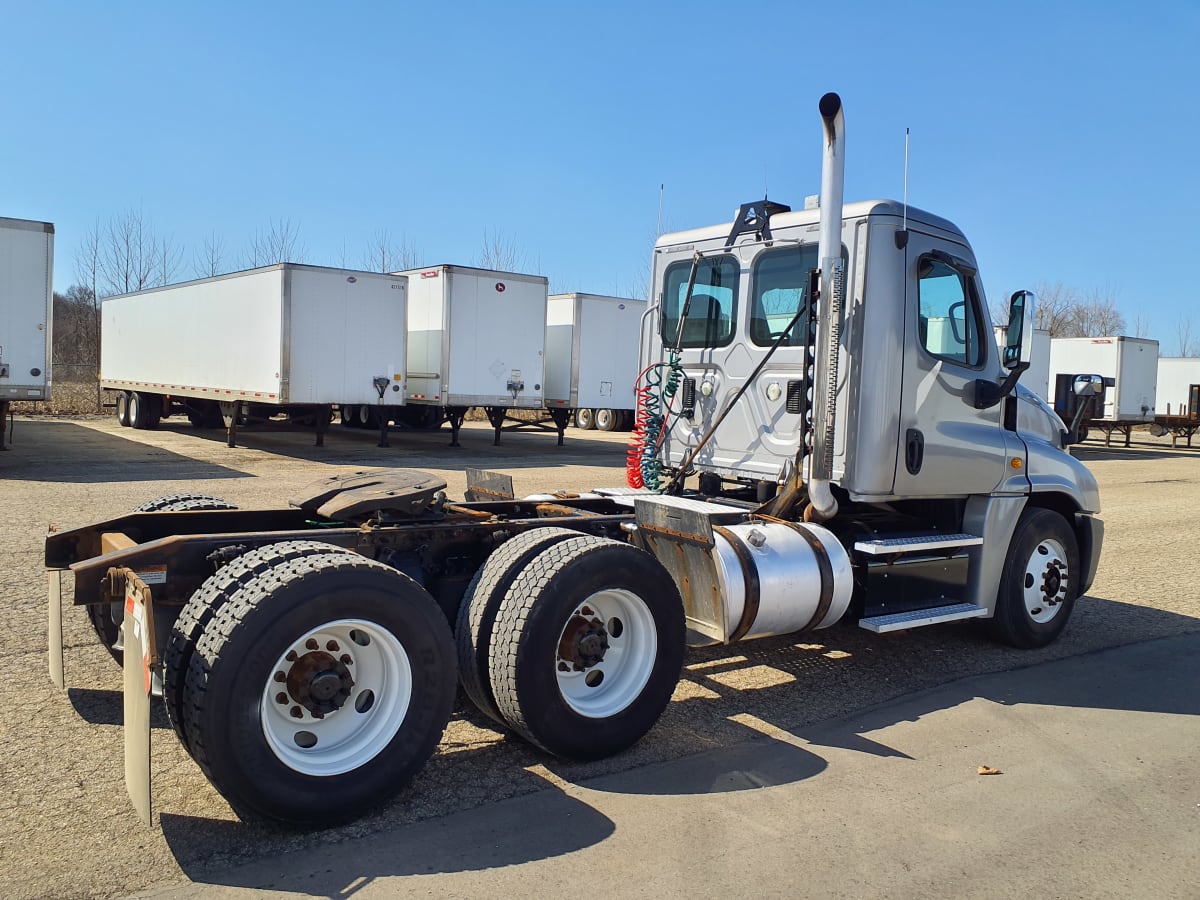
[587, 647]
[108, 629]
[318, 689]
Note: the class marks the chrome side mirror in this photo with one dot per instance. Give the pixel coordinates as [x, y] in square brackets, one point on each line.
[1018, 344]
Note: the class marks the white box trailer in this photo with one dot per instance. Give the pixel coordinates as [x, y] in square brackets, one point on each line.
[476, 338]
[592, 357]
[1129, 367]
[285, 337]
[1177, 378]
[1037, 376]
[26, 312]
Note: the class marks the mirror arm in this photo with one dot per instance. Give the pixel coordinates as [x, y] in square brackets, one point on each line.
[988, 393]
[1082, 411]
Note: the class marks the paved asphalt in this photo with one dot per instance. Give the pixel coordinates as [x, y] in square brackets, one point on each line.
[1097, 796]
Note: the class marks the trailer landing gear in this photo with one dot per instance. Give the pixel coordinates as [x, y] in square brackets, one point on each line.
[455, 415]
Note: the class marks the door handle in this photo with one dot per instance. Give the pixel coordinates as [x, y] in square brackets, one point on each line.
[914, 450]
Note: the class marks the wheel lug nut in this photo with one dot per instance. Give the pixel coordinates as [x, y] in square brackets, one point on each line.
[291, 657]
[281, 698]
[280, 677]
[312, 644]
[332, 647]
[347, 660]
[297, 712]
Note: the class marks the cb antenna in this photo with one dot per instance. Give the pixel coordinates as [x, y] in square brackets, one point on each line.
[906, 179]
[660, 202]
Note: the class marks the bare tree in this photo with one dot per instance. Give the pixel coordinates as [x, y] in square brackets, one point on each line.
[87, 268]
[500, 252]
[1097, 315]
[1141, 328]
[168, 258]
[383, 253]
[130, 255]
[1054, 310]
[279, 243]
[1188, 346]
[208, 262]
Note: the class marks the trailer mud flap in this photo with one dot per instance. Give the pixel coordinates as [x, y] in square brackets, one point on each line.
[140, 657]
[55, 632]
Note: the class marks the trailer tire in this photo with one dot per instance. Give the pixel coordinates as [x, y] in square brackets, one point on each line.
[145, 410]
[585, 419]
[353, 728]
[607, 420]
[1039, 582]
[588, 647]
[205, 603]
[137, 410]
[122, 403]
[480, 603]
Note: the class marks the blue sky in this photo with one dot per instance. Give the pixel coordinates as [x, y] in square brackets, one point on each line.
[1063, 138]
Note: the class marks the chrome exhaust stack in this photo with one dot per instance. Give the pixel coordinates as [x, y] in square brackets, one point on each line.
[833, 284]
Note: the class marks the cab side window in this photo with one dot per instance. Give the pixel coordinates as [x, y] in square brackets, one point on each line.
[950, 324]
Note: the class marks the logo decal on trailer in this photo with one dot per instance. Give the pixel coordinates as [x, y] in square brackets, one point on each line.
[500, 287]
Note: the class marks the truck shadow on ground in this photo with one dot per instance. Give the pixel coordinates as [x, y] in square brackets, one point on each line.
[59, 450]
[744, 717]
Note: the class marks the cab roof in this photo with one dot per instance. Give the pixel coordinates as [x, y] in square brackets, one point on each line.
[802, 217]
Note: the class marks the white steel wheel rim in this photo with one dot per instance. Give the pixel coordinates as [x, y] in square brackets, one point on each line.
[364, 724]
[1046, 581]
[603, 688]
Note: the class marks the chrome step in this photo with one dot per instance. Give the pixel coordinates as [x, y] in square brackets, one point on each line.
[917, 617]
[885, 546]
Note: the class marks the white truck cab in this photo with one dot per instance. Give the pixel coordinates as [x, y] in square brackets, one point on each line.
[837, 365]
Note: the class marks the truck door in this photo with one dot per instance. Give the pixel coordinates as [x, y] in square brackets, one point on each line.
[947, 447]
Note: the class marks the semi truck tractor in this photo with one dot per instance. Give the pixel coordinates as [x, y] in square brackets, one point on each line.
[26, 313]
[826, 432]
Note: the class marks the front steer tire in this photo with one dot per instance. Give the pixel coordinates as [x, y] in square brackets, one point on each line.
[587, 648]
[319, 689]
[1039, 583]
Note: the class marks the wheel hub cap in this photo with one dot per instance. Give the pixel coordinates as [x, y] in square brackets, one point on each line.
[584, 642]
[320, 682]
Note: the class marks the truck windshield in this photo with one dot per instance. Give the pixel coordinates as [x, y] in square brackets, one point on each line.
[710, 319]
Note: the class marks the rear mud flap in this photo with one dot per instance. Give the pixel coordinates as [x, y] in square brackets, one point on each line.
[140, 659]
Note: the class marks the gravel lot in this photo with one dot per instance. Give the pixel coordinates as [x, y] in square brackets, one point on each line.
[68, 829]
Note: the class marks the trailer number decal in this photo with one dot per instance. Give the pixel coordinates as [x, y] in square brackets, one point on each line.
[500, 287]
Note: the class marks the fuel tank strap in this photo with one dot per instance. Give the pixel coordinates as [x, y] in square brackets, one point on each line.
[749, 578]
[823, 564]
